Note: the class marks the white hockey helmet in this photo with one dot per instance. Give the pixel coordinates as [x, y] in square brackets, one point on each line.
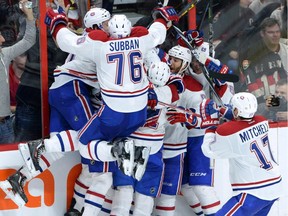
[159, 73]
[246, 103]
[182, 53]
[96, 16]
[119, 26]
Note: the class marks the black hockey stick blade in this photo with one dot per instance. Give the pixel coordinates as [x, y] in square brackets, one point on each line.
[225, 77]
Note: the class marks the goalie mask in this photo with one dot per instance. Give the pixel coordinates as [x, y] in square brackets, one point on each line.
[159, 73]
[119, 26]
[182, 53]
[96, 16]
[246, 103]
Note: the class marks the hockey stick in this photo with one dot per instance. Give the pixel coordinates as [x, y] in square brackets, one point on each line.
[179, 109]
[197, 57]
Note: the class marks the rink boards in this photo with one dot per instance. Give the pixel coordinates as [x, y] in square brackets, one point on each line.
[50, 193]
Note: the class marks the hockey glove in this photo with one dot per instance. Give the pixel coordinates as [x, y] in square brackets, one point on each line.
[178, 82]
[55, 21]
[226, 112]
[194, 37]
[209, 114]
[221, 68]
[189, 120]
[152, 98]
[168, 13]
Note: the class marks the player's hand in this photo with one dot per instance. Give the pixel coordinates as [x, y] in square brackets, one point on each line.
[152, 98]
[168, 13]
[54, 19]
[188, 119]
[221, 68]
[194, 37]
[209, 114]
[226, 112]
[178, 82]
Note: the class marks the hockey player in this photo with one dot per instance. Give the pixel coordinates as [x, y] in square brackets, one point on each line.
[121, 77]
[198, 176]
[175, 139]
[254, 173]
[151, 135]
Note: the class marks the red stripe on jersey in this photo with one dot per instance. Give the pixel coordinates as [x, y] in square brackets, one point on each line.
[83, 100]
[70, 141]
[44, 159]
[211, 205]
[238, 205]
[81, 184]
[255, 183]
[196, 205]
[179, 144]
[96, 194]
[126, 92]
[148, 135]
[165, 208]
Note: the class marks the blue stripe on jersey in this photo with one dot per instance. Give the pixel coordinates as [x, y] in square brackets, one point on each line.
[174, 149]
[93, 203]
[147, 139]
[124, 96]
[79, 194]
[251, 188]
[61, 142]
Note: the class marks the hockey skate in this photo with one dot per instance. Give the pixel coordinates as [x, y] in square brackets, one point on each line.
[13, 187]
[141, 158]
[123, 151]
[31, 153]
[73, 212]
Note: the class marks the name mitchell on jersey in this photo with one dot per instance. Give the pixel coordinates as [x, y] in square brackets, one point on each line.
[253, 132]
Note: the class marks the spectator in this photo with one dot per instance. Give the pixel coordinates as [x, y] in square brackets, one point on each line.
[28, 124]
[228, 29]
[7, 54]
[265, 61]
[281, 15]
[16, 70]
[276, 105]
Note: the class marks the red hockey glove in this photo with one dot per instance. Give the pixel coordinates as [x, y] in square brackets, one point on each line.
[226, 112]
[55, 21]
[194, 37]
[152, 98]
[178, 82]
[209, 114]
[168, 13]
[188, 119]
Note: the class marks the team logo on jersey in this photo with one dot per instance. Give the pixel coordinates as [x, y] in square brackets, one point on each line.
[81, 40]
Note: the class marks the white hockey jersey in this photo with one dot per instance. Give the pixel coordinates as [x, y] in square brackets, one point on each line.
[119, 62]
[253, 168]
[175, 140]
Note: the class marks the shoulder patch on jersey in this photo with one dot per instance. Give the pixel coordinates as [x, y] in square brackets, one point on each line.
[191, 83]
[98, 35]
[81, 40]
[138, 31]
